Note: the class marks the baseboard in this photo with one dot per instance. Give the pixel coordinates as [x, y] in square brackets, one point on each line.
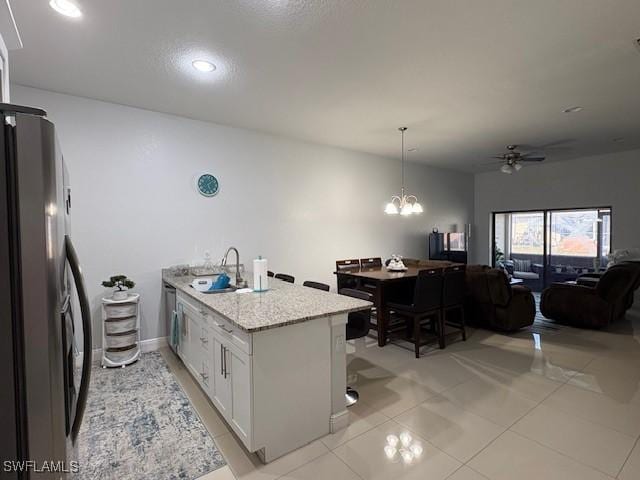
[149, 345]
[153, 344]
[338, 421]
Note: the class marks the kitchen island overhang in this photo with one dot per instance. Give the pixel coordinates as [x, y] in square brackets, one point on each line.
[272, 363]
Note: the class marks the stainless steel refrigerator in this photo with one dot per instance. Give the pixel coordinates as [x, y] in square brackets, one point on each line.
[44, 387]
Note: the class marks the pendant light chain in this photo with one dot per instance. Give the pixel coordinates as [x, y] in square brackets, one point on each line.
[402, 129]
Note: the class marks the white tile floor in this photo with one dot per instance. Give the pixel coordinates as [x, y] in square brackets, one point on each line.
[556, 404]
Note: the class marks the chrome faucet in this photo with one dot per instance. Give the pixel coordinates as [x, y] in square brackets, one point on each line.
[240, 283]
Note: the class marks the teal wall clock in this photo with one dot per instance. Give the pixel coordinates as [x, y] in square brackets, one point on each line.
[207, 185]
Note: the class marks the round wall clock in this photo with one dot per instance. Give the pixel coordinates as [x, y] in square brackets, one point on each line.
[207, 185]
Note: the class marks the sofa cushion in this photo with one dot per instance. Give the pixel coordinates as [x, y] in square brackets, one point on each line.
[526, 275]
[521, 265]
[499, 287]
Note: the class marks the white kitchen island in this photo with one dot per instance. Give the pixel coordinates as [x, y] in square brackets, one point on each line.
[273, 363]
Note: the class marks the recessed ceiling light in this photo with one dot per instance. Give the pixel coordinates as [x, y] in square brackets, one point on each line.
[66, 8]
[203, 66]
[572, 109]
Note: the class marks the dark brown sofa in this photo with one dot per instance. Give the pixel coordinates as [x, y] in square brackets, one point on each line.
[493, 303]
[592, 307]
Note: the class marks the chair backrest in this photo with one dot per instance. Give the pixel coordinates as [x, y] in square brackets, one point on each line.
[347, 264]
[371, 262]
[270, 273]
[285, 277]
[617, 282]
[428, 291]
[358, 323]
[317, 285]
[453, 286]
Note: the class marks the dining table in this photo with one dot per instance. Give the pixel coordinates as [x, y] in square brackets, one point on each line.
[382, 281]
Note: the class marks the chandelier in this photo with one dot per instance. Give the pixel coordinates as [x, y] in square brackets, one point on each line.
[403, 204]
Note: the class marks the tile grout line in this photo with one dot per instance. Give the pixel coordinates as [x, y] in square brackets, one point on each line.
[508, 429]
[346, 464]
[560, 453]
[635, 445]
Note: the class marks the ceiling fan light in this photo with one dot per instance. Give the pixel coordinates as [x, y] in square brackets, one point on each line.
[391, 209]
[506, 168]
[517, 166]
[417, 208]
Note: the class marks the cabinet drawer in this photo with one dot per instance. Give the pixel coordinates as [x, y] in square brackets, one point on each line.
[120, 340]
[120, 325]
[121, 311]
[230, 332]
[191, 307]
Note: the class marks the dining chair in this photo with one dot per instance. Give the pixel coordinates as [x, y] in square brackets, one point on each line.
[453, 298]
[285, 277]
[357, 327]
[317, 285]
[346, 266]
[424, 309]
[374, 262]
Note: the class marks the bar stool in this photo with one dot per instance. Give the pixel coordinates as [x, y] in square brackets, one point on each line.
[357, 327]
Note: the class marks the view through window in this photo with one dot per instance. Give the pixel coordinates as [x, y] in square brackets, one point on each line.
[540, 247]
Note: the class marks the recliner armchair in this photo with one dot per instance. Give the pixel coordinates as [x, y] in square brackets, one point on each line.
[493, 303]
[592, 307]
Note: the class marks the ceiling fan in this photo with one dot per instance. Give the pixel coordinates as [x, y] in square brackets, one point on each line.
[512, 160]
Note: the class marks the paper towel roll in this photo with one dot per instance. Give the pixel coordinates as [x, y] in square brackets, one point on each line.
[260, 277]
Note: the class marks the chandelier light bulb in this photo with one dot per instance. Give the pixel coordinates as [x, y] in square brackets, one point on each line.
[407, 209]
[417, 208]
[517, 166]
[391, 209]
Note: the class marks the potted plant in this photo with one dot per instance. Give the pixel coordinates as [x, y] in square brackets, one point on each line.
[121, 283]
[498, 255]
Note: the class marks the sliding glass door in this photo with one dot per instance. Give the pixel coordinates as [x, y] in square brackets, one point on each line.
[541, 247]
[579, 241]
[519, 239]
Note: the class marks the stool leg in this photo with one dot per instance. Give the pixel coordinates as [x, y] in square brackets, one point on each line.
[440, 321]
[416, 336]
[462, 325]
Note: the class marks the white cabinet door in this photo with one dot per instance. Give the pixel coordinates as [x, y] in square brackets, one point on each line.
[183, 339]
[190, 340]
[205, 374]
[220, 388]
[239, 374]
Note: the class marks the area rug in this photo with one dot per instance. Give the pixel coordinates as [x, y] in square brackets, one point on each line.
[140, 425]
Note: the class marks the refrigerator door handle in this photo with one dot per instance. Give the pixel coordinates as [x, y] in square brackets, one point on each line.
[85, 313]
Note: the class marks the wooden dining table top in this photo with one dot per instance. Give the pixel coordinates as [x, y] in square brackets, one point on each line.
[382, 274]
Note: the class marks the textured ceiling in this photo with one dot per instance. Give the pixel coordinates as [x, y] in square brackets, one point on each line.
[466, 76]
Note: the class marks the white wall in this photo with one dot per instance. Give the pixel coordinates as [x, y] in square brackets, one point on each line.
[302, 206]
[605, 180]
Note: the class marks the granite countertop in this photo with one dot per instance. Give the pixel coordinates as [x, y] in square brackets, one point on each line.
[283, 304]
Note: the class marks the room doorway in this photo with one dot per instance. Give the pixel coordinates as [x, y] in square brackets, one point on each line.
[540, 247]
